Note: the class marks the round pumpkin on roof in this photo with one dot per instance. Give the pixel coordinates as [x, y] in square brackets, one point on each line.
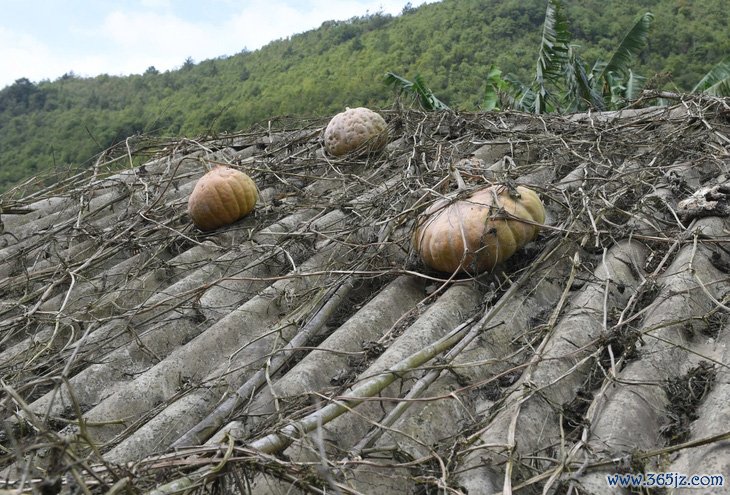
[221, 197]
[476, 233]
[355, 129]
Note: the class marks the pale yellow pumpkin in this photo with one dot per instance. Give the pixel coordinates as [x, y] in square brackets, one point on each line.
[474, 234]
[355, 129]
[221, 197]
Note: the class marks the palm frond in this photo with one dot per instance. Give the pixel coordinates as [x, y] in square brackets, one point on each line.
[716, 82]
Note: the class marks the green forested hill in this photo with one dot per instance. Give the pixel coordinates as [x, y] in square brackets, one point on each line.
[451, 44]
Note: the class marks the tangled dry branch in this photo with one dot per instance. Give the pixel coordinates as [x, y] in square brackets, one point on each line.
[103, 263]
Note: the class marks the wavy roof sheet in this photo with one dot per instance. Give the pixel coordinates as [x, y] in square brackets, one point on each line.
[305, 348]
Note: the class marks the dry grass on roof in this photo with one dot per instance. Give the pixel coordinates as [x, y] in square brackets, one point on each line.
[95, 260]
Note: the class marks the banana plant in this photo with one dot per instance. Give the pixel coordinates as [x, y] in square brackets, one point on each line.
[623, 56]
[552, 56]
[423, 94]
[563, 81]
[618, 83]
[580, 92]
[538, 97]
[496, 86]
[716, 82]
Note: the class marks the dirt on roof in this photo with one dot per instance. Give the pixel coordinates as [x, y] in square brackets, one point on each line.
[306, 348]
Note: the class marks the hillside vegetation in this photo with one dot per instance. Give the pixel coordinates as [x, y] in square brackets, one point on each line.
[64, 123]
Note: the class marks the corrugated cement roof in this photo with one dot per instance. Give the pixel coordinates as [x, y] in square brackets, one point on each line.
[306, 348]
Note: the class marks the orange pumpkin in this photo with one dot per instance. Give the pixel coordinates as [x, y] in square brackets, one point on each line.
[476, 233]
[221, 197]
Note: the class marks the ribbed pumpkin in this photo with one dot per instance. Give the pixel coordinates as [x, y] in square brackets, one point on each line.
[476, 233]
[221, 197]
[354, 129]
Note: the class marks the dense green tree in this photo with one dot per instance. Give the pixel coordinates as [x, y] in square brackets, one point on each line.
[454, 45]
[21, 97]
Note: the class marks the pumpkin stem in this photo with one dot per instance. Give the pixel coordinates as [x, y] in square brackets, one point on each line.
[460, 184]
[512, 190]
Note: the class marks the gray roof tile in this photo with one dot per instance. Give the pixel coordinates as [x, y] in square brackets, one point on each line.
[308, 346]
